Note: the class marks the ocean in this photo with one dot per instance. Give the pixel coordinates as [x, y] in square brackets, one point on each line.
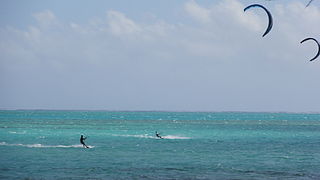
[41, 144]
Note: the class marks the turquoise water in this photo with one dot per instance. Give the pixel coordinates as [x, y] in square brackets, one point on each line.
[196, 145]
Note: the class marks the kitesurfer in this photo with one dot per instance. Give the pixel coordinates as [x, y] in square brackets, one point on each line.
[82, 138]
[158, 135]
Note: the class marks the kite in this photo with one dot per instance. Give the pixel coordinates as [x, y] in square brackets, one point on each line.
[270, 24]
[318, 53]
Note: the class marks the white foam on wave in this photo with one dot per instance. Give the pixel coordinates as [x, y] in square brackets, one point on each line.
[44, 146]
[175, 137]
[153, 137]
[137, 136]
[14, 132]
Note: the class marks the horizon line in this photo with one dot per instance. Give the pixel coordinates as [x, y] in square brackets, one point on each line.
[177, 111]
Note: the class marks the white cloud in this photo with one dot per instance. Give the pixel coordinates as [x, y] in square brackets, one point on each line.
[120, 24]
[294, 19]
[224, 13]
[247, 19]
[198, 12]
[46, 18]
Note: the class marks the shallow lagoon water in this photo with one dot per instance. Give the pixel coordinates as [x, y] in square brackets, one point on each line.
[196, 145]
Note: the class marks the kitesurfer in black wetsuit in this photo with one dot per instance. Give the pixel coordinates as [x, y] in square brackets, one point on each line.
[82, 138]
[158, 135]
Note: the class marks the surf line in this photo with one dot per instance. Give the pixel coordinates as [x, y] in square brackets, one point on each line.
[43, 146]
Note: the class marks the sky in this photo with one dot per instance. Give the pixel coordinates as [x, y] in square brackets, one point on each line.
[161, 55]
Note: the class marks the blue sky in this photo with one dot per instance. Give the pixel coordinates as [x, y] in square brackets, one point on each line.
[182, 55]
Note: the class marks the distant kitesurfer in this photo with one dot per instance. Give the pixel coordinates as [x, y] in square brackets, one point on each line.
[158, 135]
[82, 138]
